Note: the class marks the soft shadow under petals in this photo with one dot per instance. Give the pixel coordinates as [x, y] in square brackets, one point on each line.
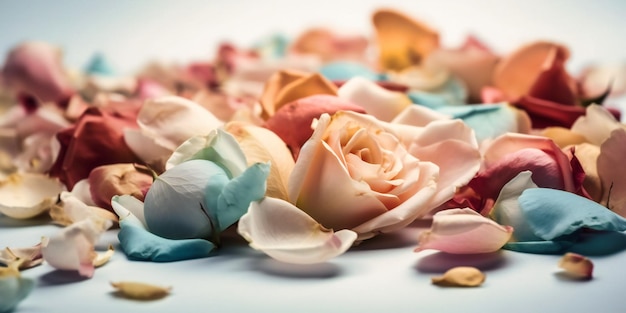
[440, 262]
[6, 221]
[60, 277]
[276, 268]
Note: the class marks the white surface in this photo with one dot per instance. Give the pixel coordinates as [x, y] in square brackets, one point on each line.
[382, 275]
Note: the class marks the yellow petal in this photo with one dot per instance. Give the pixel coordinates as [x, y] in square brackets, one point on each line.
[140, 291]
[402, 41]
[461, 276]
[576, 265]
[104, 258]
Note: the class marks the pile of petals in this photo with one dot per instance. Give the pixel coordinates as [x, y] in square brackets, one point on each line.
[307, 146]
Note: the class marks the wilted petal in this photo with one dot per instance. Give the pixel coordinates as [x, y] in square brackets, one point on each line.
[463, 231]
[107, 181]
[262, 145]
[27, 195]
[27, 256]
[384, 104]
[73, 247]
[139, 244]
[287, 234]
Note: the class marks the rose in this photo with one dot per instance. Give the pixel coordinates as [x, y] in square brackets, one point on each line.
[359, 173]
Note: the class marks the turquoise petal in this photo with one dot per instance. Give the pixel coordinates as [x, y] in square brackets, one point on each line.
[343, 70]
[553, 213]
[487, 120]
[14, 289]
[140, 245]
[235, 198]
[98, 65]
[430, 100]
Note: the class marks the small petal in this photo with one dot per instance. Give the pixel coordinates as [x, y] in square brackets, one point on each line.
[72, 210]
[140, 291]
[107, 181]
[462, 276]
[287, 234]
[104, 258]
[576, 265]
[27, 195]
[27, 257]
[463, 231]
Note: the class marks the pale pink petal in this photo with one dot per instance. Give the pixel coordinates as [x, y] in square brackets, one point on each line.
[72, 248]
[384, 104]
[287, 234]
[147, 148]
[464, 231]
[418, 115]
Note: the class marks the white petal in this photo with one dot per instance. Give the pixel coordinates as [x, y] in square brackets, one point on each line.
[81, 192]
[287, 234]
[25, 195]
[147, 148]
[596, 125]
[127, 206]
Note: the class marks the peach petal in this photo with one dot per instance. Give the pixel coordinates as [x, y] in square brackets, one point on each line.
[516, 73]
[464, 231]
[107, 181]
[597, 124]
[611, 158]
[402, 41]
[287, 234]
[563, 137]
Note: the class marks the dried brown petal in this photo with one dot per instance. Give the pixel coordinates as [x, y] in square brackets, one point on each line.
[103, 258]
[28, 257]
[576, 265]
[140, 291]
[461, 276]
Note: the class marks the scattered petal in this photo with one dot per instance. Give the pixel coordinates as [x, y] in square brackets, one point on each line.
[107, 181]
[577, 265]
[104, 258]
[71, 210]
[287, 234]
[384, 104]
[140, 291]
[26, 195]
[463, 231]
[28, 257]
[461, 276]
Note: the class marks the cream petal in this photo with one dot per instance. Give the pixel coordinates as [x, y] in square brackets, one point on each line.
[464, 231]
[82, 192]
[262, 145]
[217, 146]
[72, 210]
[73, 247]
[147, 148]
[175, 119]
[428, 76]
[418, 115]
[26, 257]
[25, 195]
[287, 234]
[596, 125]
[382, 103]
[610, 163]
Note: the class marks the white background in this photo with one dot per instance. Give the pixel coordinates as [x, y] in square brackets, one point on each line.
[383, 275]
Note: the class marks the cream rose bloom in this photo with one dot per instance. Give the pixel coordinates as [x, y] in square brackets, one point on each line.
[359, 173]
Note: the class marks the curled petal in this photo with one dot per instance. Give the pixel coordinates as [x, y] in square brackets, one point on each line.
[516, 73]
[72, 210]
[596, 125]
[73, 247]
[140, 244]
[507, 210]
[107, 181]
[402, 41]
[382, 103]
[172, 120]
[287, 234]
[26, 257]
[27, 195]
[463, 231]
[147, 148]
[611, 157]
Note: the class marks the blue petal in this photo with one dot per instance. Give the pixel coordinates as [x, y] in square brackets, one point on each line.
[99, 65]
[235, 198]
[343, 70]
[141, 245]
[487, 120]
[13, 290]
[553, 213]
